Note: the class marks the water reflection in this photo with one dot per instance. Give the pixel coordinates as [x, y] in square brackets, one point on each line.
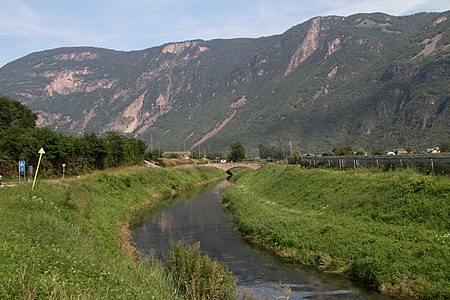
[201, 218]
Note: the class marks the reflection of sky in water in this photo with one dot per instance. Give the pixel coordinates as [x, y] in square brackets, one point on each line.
[201, 218]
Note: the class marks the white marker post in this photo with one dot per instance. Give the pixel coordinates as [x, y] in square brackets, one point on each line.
[41, 151]
[64, 170]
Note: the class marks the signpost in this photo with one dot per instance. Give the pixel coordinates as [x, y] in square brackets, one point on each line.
[22, 169]
[41, 151]
[30, 173]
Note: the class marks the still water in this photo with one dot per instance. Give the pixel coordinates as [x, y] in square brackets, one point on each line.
[200, 217]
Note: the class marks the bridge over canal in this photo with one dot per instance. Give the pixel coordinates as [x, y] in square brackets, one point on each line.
[228, 166]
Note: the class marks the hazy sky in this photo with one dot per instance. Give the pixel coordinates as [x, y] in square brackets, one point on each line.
[27, 26]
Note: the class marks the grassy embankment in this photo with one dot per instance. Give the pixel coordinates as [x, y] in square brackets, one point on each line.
[389, 230]
[69, 240]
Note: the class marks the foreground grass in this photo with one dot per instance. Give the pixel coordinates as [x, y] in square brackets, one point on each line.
[69, 240]
[198, 276]
[388, 230]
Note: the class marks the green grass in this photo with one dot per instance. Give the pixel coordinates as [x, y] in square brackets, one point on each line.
[200, 277]
[388, 230]
[69, 240]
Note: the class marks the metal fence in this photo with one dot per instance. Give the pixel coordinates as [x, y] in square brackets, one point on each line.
[439, 164]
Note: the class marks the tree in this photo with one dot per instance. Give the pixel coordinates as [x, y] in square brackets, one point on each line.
[237, 152]
[271, 152]
[445, 146]
[152, 155]
[343, 151]
[213, 155]
[134, 151]
[15, 115]
[21, 140]
[361, 151]
[115, 148]
[295, 158]
[377, 150]
[90, 152]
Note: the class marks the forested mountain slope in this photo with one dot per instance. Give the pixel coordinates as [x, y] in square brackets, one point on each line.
[365, 80]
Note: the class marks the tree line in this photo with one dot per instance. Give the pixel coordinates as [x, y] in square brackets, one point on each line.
[20, 139]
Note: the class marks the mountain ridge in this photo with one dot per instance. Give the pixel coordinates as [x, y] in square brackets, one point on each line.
[364, 80]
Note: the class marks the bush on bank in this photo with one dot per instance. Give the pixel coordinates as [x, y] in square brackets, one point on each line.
[67, 240]
[389, 230]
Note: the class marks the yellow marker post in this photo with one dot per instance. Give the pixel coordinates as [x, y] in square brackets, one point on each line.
[41, 151]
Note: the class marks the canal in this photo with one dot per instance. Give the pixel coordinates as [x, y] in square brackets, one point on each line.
[199, 217]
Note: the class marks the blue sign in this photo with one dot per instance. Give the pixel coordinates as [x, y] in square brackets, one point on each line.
[21, 166]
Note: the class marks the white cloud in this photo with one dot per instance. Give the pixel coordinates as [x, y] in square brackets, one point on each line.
[430, 6]
[393, 7]
[17, 18]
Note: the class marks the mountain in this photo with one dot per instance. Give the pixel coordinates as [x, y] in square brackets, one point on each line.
[365, 80]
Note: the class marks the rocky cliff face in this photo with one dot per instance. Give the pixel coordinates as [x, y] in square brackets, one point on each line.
[306, 48]
[358, 80]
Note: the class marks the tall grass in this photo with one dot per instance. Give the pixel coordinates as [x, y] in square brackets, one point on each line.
[388, 230]
[69, 240]
[200, 277]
